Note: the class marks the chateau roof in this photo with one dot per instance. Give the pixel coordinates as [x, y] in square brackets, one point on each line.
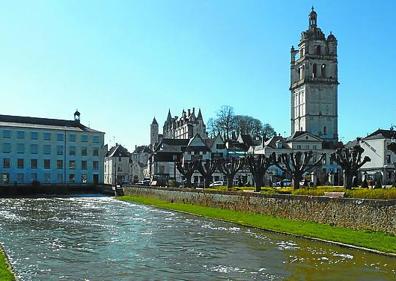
[142, 149]
[43, 123]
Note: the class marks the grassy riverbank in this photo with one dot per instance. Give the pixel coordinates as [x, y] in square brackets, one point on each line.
[373, 240]
[5, 272]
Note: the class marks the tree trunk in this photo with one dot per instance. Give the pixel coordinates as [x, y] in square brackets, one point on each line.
[348, 180]
[296, 181]
[188, 181]
[258, 183]
[230, 179]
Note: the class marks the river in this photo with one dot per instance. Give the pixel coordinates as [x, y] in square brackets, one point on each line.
[100, 238]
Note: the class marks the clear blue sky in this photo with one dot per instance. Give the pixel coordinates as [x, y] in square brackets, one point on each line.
[122, 62]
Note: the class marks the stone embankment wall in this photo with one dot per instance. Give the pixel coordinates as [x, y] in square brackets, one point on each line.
[363, 214]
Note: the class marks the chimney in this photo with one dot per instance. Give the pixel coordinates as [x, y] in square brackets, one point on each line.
[189, 112]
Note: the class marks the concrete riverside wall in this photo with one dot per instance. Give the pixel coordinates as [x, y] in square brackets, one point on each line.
[360, 214]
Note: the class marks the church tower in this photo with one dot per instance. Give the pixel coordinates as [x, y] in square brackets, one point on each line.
[314, 83]
[154, 132]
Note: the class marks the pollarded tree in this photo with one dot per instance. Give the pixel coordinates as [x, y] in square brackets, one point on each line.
[229, 167]
[350, 160]
[258, 166]
[187, 169]
[297, 164]
[207, 168]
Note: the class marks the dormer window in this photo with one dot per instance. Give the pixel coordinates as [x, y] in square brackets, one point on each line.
[318, 51]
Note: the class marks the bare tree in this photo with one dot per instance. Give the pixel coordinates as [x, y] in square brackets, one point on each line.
[187, 169]
[350, 160]
[297, 164]
[258, 166]
[229, 167]
[225, 120]
[207, 168]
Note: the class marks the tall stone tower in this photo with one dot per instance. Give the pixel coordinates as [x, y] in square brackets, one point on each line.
[314, 83]
[154, 132]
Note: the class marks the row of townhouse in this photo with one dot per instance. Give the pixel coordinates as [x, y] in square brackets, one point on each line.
[168, 151]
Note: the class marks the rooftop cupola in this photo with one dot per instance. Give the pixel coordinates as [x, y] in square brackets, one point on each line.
[77, 116]
[312, 19]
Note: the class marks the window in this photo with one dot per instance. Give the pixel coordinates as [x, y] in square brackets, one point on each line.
[59, 164]
[20, 178]
[47, 149]
[47, 164]
[95, 139]
[95, 165]
[95, 152]
[34, 135]
[72, 150]
[84, 151]
[72, 138]
[83, 165]
[220, 146]
[83, 178]
[325, 130]
[388, 159]
[314, 70]
[20, 148]
[33, 176]
[47, 177]
[72, 164]
[6, 147]
[72, 178]
[323, 70]
[20, 135]
[59, 178]
[6, 163]
[33, 163]
[6, 134]
[84, 138]
[298, 146]
[59, 150]
[318, 51]
[20, 163]
[47, 136]
[34, 148]
[314, 146]
[5, 178]
[59, 137]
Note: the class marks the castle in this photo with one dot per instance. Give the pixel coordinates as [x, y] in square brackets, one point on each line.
[186, 126]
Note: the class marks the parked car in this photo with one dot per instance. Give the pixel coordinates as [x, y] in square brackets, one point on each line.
[216, 183]
[284, 183]
[144, 182]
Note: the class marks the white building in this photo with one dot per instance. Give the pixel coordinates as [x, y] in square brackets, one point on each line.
[117, 166]
[49, 151]
[140, 157]
[376, 146]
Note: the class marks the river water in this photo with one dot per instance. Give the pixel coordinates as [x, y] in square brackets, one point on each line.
[99, 238]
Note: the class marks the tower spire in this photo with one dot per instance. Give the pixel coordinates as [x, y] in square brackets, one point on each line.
[313, 18]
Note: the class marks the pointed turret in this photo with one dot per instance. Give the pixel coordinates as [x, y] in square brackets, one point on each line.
[199, 117]
[169, 118]
[154, 122]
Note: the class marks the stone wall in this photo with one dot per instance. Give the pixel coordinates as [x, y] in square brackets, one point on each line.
[368, 214]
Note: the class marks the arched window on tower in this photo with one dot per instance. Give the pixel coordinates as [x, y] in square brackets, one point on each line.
[314, 71]
[323, 70]
[318, 50]
[325, 130]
